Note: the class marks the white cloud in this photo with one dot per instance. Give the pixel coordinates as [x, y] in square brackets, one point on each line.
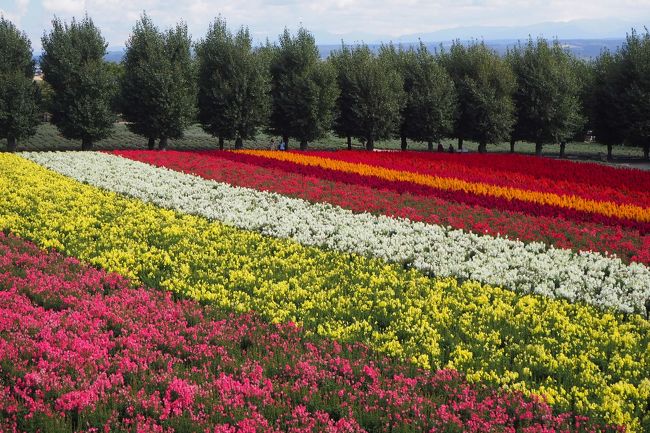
[64, 7]
[16, 12]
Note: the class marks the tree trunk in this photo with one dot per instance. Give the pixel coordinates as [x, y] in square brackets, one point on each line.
[86, 144]
[220, 143]
[370, 144]
[430, 146]
[403, 143]
[162, 145]
[646, 151]
[609, 152]
[151, 144]
[482, 148]
[512, 145]
[538, 149]
[285, 138]
[562, 149]
[460, 143]
[349, 142]
[11, 144]
[239, 143]
[303, 144]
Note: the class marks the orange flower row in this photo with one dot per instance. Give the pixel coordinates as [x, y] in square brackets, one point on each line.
[606, 208]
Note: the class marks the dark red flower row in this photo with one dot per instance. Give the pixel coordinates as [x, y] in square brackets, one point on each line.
[587, 178]
[82, 350]
[626, 243]
[456, 196]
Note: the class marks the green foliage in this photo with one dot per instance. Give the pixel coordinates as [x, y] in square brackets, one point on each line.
[158, 89]
[634, 80]
[379, 96]
[83, 87]
[233, 80]
[619, 97]
[431, 100]
[344, 124]
[303, 89]
[485, 84]
[18, 93]
[605, 101]
[547, 99]
[116, 71]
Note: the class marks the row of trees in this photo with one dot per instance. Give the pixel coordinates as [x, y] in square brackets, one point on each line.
[538, 92]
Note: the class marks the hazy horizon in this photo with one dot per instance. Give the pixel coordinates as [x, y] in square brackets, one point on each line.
[350, 20]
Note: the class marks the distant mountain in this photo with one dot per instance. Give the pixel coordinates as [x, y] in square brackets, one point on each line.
[576, 29]
[581, 48]
[114, 55]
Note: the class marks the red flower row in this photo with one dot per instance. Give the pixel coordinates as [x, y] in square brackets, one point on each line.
[626, 243]
[589, 180]
[469, 198]
[84, 349]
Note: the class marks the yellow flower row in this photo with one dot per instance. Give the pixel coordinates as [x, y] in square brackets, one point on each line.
[582, 359]
[607, 208]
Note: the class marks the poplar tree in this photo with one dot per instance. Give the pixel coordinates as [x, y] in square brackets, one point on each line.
[83, 88]
[485, 85]
[547, 96]
[18, 92]
[233, 84]
[158, 88]
[431, 100]
[303, 89]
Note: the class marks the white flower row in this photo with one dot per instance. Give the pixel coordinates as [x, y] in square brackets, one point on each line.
[594, 278]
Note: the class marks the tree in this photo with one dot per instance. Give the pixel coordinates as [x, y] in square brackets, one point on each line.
[18, 93]
[303, 89]
[585, 72]
[484, 84]
[379, 96]
[371, 95]
[430, 98]
[344, 123]
[83, 88]
[606, 105]
[395, 59]
[633, 75]
[158, 90]
[141, 83]
[547, 103]
[233, 84]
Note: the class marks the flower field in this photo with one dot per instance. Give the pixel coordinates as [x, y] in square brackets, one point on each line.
[322, 291]
[83, 347]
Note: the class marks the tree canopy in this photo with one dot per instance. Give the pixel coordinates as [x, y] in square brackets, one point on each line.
[484, 84]
[18, 92]
[303, 89]
[158, 90]
[83, 87]
[431, 100]
[547, 96]
[233, 84]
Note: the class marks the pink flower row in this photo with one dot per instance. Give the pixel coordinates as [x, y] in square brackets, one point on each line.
[82, 350]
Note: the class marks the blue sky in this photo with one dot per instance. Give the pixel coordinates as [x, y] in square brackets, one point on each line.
[331, 20]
